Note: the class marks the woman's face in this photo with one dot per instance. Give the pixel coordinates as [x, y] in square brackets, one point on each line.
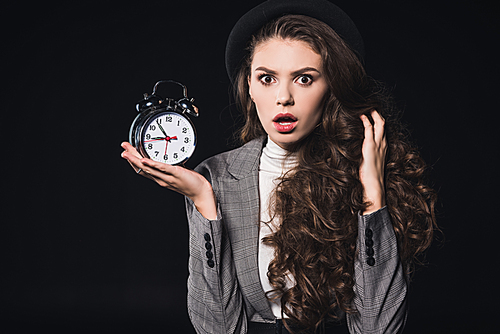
[288, 88]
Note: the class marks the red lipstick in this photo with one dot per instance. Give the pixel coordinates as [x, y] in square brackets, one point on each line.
[284, 122]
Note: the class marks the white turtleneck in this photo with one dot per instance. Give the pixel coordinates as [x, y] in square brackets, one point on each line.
[273, 164]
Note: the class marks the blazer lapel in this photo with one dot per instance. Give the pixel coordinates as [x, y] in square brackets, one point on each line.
[241, 209]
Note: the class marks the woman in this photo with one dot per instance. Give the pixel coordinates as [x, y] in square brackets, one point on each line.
[322, 211]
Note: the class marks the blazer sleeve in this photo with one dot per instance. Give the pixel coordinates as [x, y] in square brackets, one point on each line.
[380, 284]
[214, 299]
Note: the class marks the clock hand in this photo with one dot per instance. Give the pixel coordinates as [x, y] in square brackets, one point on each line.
[167, 140]
[166, 145]
[155, 139]
[161, 128]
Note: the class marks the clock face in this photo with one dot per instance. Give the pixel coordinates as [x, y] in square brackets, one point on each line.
[168, 137]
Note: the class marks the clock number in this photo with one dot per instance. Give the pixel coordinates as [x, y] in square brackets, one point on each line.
[186, 140]
[165, 157]
[178, 122]
[168, 119]
[184, 130]
[152, 127]
[175, 156]
[148, 136]
[183, 149]
[156, 153]
[150, 146]
[159, 120]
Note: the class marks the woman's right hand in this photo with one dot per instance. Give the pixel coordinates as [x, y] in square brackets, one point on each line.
[184, 181]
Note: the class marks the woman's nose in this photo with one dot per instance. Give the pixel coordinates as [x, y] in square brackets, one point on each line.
[284, 96]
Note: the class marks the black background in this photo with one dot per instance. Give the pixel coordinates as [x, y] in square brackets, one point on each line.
[89, 246]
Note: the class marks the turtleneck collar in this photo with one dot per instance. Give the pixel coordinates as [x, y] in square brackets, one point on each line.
[274, 158]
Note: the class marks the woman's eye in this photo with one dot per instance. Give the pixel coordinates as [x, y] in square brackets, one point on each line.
[304, 80]
[266, 79]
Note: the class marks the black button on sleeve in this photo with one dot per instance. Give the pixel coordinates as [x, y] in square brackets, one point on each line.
[369, 233]
[210, 255]
[370, 251]
[369, 247]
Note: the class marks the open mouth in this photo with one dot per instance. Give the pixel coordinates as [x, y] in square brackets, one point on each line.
[284, 118]
[284, 122]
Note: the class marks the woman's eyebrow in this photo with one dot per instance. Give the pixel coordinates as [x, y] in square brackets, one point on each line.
[265, 69]
[294, 73]
[305, 70]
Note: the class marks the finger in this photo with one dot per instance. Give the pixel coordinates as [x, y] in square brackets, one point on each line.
[161, 167]
[126, 146]
[379, 124]
[133, 159]
[368, 128]
[131, 154]
[131, 149]
[376, 116]
[136, 165]
[165, 175]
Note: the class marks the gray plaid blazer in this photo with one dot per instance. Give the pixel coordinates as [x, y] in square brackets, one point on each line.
[224, 289]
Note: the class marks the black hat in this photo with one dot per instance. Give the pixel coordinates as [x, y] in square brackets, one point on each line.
[257, 17]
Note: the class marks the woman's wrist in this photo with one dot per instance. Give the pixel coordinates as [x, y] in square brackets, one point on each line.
[375, 199]
[205, 202]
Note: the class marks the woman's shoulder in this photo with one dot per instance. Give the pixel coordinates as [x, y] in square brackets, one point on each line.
[236, 162]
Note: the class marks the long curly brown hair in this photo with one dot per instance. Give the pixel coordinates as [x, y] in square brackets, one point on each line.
[317, 202]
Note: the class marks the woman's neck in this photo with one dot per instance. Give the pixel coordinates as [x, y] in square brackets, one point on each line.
[274, 158]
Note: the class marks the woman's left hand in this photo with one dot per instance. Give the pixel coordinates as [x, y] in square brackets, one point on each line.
[371, 171]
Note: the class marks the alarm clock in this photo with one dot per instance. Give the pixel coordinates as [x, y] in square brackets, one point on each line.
[162, 131]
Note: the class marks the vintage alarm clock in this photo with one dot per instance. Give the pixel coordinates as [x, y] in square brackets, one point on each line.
[163, 131]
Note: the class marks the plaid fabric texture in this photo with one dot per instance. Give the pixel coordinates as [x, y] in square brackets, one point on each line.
[224, 289]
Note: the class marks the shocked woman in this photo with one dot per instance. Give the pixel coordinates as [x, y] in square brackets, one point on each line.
[319, 216]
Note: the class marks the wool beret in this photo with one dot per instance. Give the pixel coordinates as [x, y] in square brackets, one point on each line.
[252, 21]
